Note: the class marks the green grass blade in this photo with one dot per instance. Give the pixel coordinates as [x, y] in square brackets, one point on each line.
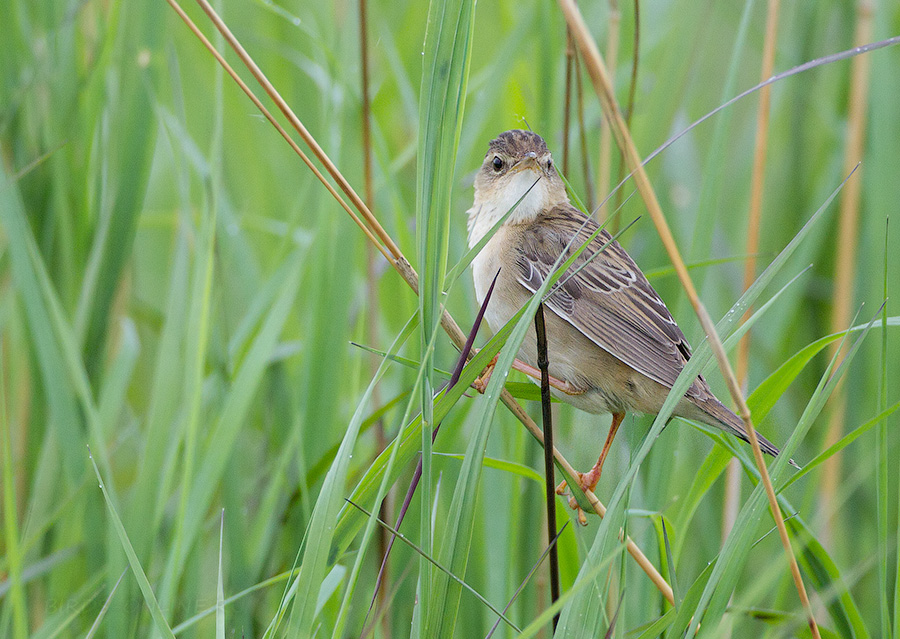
[411, 434]
[585, 580]
[513, 468]
[881, 454]
[825, 577]
[196, 341]
[130, 112]
[162, 626]
[100, 615]
[442, 99]
[714, 601]
[231, 415]
[62, 409]
[14, 555]
[382, 490]
[766, 394]
[220, 588]
[437, 565]
[321, 528]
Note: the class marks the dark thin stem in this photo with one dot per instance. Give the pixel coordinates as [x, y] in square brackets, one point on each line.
[635, 59]
[567, 108]
[371, 272]
[632, 90]
[417, 475]
[543, 362]
[582, 131]
[366, 105]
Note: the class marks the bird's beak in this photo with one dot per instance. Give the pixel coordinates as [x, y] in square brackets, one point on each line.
[528, 162]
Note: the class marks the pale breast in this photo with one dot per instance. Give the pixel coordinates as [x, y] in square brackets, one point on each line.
[509, 295]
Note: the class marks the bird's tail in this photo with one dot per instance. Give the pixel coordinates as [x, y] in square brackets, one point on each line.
[729, 422]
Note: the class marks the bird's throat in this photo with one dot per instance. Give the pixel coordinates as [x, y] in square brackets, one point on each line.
[494, 201]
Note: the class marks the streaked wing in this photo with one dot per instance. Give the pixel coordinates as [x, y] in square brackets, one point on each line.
[609, 300]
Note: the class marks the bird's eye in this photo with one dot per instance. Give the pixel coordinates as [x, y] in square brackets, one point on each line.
[497, 163]
[549, 164]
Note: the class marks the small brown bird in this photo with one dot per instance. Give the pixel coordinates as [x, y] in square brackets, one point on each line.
[612, 343]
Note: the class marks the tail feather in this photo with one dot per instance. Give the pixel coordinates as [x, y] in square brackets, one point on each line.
[729, 422]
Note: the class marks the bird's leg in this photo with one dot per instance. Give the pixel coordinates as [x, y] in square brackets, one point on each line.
[481, 382]
[535, 373]
[589, 480]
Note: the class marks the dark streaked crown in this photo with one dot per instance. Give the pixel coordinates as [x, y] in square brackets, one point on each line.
[516, 143]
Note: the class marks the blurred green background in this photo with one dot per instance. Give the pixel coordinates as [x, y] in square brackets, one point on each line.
[180, 293]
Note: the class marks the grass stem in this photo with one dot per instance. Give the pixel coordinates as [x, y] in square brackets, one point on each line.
[846, 242]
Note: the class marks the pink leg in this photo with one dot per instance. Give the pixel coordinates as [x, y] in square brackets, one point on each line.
[480, 384]
[589, 480]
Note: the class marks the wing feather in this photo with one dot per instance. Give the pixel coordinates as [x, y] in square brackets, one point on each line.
[608, 299]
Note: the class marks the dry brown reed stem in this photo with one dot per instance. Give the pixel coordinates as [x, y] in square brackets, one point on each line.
[409, 275]
[297, 125]
[604, 163]
[268, 115]
[602, 84]
[846, 241]
[371, 278]
[757, 180]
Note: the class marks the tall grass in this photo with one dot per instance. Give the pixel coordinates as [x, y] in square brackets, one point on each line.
[180, 293]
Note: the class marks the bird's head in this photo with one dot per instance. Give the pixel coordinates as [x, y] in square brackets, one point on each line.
[518, 164]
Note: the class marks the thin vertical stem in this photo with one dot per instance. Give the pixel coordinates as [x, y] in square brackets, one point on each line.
[567, 105]
[543, 362]
[846, 241]
[882, 463]
[757, 182]
[629, 108]
[604, 163]
[582, 132]
[387, 511]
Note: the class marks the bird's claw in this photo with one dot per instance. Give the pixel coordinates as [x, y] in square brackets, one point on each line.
[562, 490]
[481, 382]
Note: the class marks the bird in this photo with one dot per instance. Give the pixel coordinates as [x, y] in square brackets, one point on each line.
[613, 345]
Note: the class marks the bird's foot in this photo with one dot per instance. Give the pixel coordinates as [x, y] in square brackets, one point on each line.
[481, 382]
[584, 482]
